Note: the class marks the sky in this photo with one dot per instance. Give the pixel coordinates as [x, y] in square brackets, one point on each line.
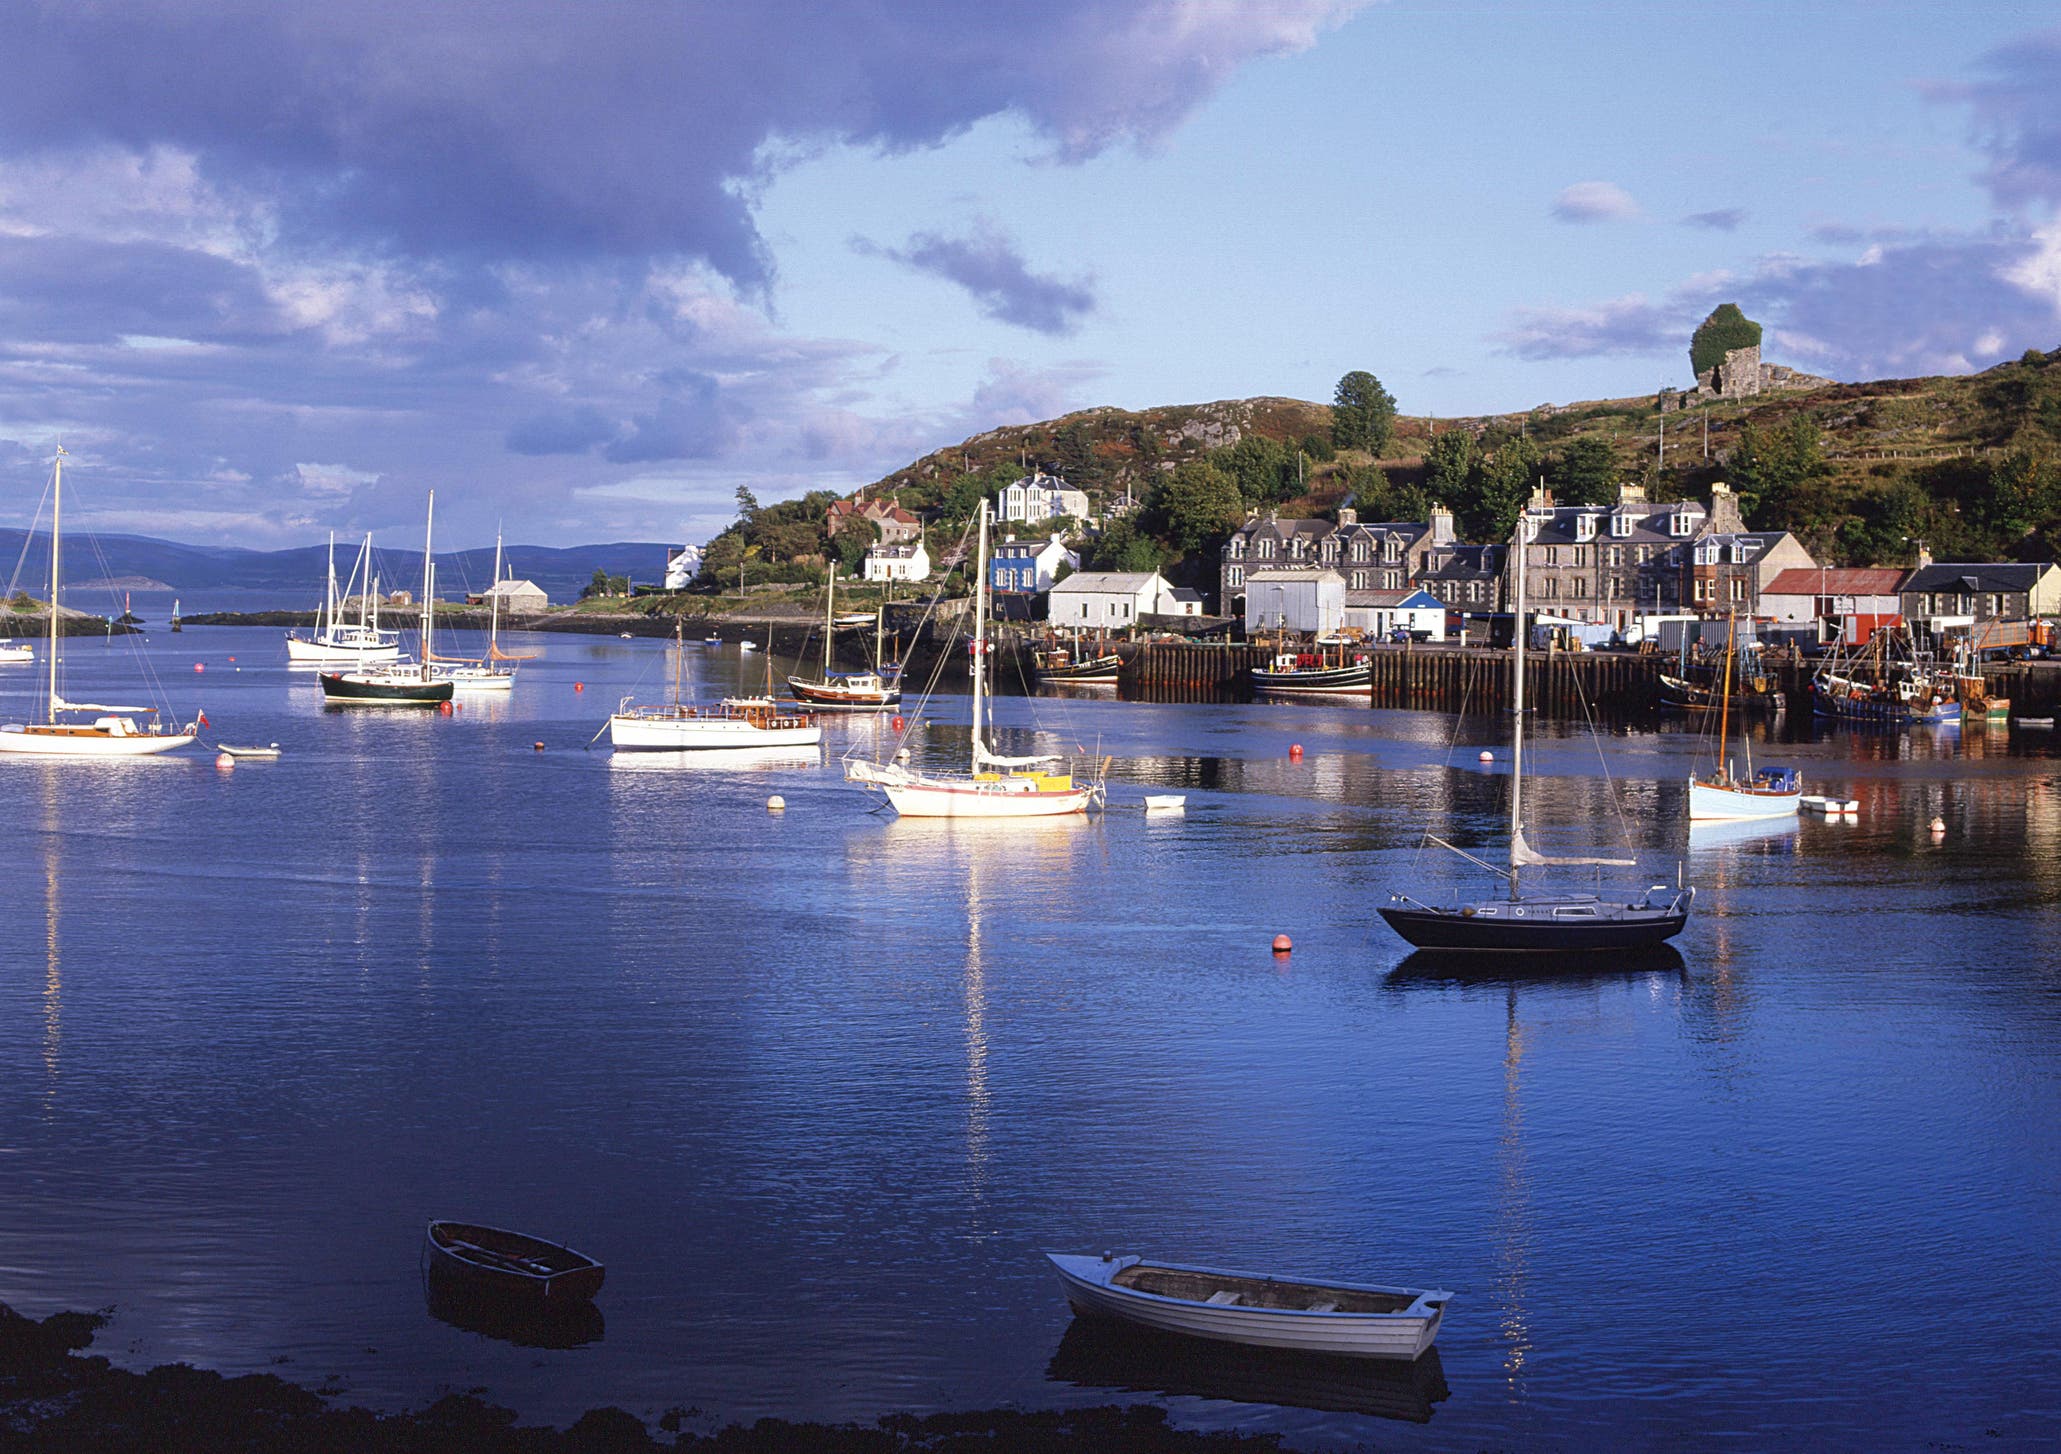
[268, 271]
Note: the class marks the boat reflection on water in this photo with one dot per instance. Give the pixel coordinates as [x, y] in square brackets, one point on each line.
[1771, 835]
[1096, 1353]
[1461, 966]
[715, 759]
[571, 1326]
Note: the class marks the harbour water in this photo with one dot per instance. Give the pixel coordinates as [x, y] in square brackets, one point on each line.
[820, 1086]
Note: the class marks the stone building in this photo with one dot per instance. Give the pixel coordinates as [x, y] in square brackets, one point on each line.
[1384, 556]
[1610, 564]
[1469, 578]
[1739, 375]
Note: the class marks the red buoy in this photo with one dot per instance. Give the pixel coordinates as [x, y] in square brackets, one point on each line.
[579, 686]
[444, 707]
[198, 667]
[538, 746]
[1295, 752]
[1283, 944]
[899, 724]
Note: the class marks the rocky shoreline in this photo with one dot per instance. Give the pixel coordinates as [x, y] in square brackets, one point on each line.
[56, 1397]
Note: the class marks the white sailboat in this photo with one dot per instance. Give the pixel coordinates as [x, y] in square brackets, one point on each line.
[114, 730]
[1721, 793]
[398, 683]
[470, 674]
[339, 642]
[997, 786]
[737, 722]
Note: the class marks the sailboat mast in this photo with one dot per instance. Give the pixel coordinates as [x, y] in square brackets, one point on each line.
[1517, 706]
[980, 630]
[327, 624]
[56, 523]
[494, 602]
[829, 598]
[428, 582]
[1725, 702]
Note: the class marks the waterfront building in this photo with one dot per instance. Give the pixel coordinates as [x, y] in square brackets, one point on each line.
[1110, 600]
[1377, 613]
[895, 525]
[518, 598]
[682, 566]
[1026, 567]
[1940, 596]
[1039, 497]
[1467, 578]
[1383, 556]
[908, 561]
[1843, 602]
[1308, 602]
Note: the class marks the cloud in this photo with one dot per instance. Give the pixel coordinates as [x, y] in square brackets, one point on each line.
[1725, 219]
[2015, 113]
[536, 129]
[1934, 305]
[990, 268]
[1586, 202]
[573, 431]
[1628, 325]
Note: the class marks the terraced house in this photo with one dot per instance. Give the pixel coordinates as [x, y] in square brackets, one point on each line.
[1385, 556]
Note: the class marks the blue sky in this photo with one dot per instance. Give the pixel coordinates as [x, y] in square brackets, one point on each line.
[272, 270]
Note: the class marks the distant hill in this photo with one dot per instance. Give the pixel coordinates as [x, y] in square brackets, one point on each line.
[204, 574]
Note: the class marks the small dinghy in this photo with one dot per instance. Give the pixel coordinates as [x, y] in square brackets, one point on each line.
[269, 750]
[1165, 802]
[2035, 722]
[1341, 1319]
[1829, 806]
[510, 1266]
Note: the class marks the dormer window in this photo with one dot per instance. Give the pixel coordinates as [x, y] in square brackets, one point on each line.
[1707, 554]
[1738, 552]
[1392, 549]
[1623, 524]
[1681, 523]
[1360, 551]
[1585, 527]
[1266, 550]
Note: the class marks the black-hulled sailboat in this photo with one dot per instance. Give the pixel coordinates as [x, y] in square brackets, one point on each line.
[1537, 923]
[398, 684]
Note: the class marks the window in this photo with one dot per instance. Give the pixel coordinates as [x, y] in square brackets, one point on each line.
[1585, 527]
[1360, 548]
[1623, 524]
[1552, 555]
[1393, 580]
[1581, 555]
[1681, 523]
[1738, 552]
[1616, 555]
[1266, 550]
[1738, 589]
[1703, 591]
[1393, 550]
[1645, 554]
[1579, 586]
[1707, 553]
[1237, 547]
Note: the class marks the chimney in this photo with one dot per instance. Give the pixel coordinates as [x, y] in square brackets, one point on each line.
[1631, 494]
[1441, 525]
[1725, 518]
[1924, 556]
[1347, 515]
[1541, 498]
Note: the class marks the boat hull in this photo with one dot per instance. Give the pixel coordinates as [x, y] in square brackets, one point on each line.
[303, 651]
[510, 1267]
[844, 699]
[1318, 681]
[1401, 1336]
[1709, 801]
[1532, 927]
[88, 742]
[981, 800]
[645, 734]
[346, 690]
[1099, 669]
[1884, 712]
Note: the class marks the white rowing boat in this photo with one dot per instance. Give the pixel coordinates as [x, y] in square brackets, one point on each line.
[269, 750]
[1342, 1319]
[1829, 806]
[1165, 802]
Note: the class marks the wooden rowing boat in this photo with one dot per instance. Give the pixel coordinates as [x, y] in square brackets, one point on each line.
[512, 1266]
[1307, 1315]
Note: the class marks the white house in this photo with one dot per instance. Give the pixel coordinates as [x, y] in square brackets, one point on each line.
[519, 597]
[1105, 600]
[1027, 566]
[1308, 601]
[1037, 498]
[908, 561]
[682, 566]
[1379, 612]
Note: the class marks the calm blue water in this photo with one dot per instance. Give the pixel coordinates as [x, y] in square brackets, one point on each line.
[819, 1086]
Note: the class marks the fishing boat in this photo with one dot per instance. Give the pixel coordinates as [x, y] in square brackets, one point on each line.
[1072, 664]
[996, 786]
[1260, 1310]
[1886, 684]
[1556, 923]
[845, 691]
[114, 731]
[398, 683]
[675, 726]
[488, 673]
[1302, 673]
[335, 640]
[1773, 792]
[494, 1262]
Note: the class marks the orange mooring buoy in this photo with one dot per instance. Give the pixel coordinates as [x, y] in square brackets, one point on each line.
[579, 686]
[1283, 944]
[538, 746]
[1295, 752]
[899, 724]
[445, 708]
[198, 667]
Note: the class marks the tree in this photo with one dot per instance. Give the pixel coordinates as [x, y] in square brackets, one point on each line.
[1124, 546]
[1362, 413]
[1584, 472]
[1498, 487]
[853, 540]
[1199, 504]
[1262, 470]
[1724, 330]
[1773, 470]
[747, 503]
